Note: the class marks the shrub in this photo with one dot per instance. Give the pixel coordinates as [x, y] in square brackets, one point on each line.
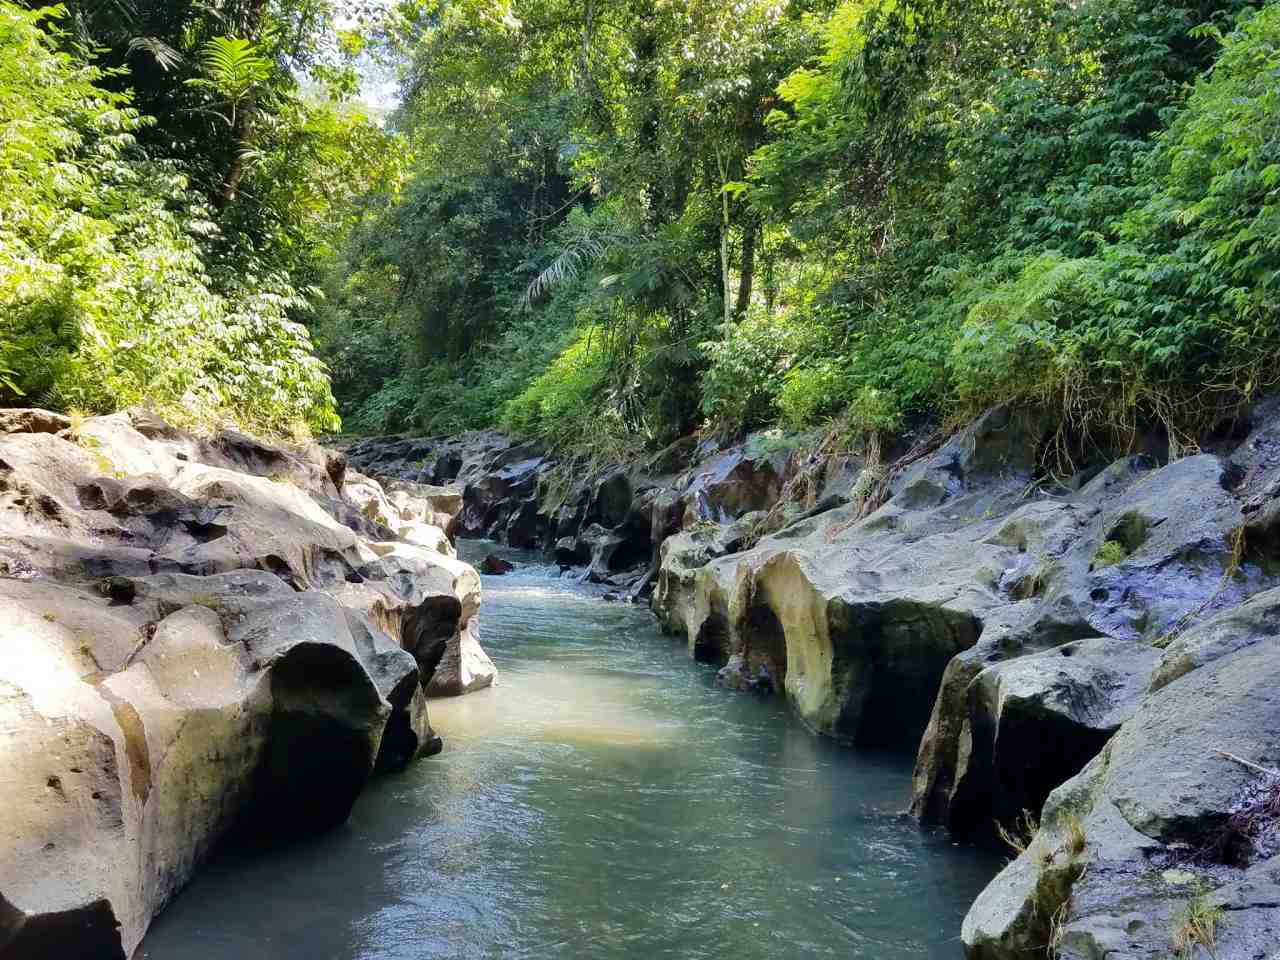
[1016, 342]
[561, 403]
[743, 378]
[104, 297]
[814, 391]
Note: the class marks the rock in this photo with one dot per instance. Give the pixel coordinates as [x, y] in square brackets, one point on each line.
[734, 483]
[1156, 805]
[683, 554]
[571, 552]
[514, 494]
[1074, 696]
[496, 565]
[195, 647]
[490, 499]
[427, 535]
[857, 618]
[408, 734]
[461, 666]
[32, 421]
[1176, 524]
[603, 547]
[167, 730]
[613, 497]
[399, 458]
[737, 675]
[428, 603]
[308, 467]
[327, 717]
[432, 504]
[1256, 620]
[367, 496]
[355, 519]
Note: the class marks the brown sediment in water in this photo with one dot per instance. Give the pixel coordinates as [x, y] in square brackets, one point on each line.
[557, 704]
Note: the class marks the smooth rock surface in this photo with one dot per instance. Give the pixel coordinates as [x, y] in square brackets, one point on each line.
[1156, 810]
[201, 641]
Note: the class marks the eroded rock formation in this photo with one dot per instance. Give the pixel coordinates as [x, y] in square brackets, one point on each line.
[1089, 636]
[202, 638]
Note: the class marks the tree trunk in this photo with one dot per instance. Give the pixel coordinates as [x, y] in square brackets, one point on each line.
[747, 276]
[726, 289]
[235, 173]
[770, 279]
[724, 278]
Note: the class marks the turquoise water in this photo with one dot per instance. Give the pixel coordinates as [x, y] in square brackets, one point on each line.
[606, 800]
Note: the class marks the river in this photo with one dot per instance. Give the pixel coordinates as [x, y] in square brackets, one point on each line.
[605, 800]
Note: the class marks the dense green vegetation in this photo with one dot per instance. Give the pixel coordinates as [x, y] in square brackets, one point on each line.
[632, 218]
[169, 192]
[611, 222]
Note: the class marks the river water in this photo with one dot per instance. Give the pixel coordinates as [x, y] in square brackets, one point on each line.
[605, 800]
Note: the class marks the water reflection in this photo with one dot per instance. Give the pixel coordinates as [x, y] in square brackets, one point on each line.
[605, 800]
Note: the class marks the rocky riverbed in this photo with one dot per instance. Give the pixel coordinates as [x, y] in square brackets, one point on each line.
[204, 640]
[213, 640]
[1090, 652]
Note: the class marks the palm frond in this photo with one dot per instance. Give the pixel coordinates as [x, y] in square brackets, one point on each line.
[582, 248]
[165, 56]
[234, 65]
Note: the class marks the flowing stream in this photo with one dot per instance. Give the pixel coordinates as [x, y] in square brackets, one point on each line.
[605, 800]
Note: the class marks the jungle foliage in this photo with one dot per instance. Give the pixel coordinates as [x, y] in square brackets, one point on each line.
[605, 223]
[634, 218]
[169, 197]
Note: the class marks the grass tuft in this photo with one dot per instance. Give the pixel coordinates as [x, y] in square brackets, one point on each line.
[1197, 927]
[1018, 835]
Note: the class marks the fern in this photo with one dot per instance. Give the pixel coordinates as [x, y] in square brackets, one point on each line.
[165, 56]
[234, 70]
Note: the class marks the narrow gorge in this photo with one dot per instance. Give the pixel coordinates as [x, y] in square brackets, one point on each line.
[1072, 641]
[213, 646]
[640, 478]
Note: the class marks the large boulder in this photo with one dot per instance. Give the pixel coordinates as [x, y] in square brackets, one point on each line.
[415, 512]
[432, 504]
[1133, 556]
[200, 642]
[739, 480]
[429, 604]
[857, 613]
[1176, 817]
[140, 734]
[1074, 697]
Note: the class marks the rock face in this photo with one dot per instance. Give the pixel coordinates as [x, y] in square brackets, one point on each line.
[1166, 815]
[611, 522]
[967, 615]
[204, 639]
[1078, 643]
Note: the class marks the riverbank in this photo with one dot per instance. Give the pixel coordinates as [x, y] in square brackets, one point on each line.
[207, 640]
[604, 800]
[1011, 628]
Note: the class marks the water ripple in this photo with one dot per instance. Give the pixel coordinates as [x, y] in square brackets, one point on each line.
[606, 800]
